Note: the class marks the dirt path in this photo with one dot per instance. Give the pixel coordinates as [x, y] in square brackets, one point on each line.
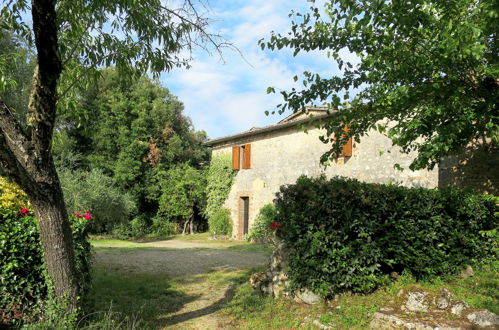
[190, 265]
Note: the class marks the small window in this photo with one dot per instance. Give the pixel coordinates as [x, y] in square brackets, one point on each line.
[241, 157]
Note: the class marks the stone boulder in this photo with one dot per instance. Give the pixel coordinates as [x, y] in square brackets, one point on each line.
[275, 280]
[420, 309]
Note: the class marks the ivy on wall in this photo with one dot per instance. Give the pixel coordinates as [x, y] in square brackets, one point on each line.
[220, 178]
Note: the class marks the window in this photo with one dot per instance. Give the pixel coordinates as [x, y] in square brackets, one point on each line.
[241, 157]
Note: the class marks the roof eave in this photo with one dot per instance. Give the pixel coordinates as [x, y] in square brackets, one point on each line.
[267, 129]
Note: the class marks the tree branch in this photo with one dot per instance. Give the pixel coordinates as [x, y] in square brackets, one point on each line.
[14, 136]
[14, 149]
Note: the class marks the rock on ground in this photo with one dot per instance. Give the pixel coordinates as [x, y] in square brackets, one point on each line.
[420, 309]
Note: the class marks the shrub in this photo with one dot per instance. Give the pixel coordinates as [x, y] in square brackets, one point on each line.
[122, 231]
[220, 223]
[347, 235]
[11, 196]
[96, 191]
[140, 226]
[23, 279]
[163, 227]
[261, 230]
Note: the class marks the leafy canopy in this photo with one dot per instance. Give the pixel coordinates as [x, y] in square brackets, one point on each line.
[430, 68]
[135, 36]
[134, 131]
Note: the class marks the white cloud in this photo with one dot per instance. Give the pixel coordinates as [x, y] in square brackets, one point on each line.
[230, 98]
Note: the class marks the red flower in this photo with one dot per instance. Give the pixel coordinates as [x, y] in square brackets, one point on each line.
[77, 215]
[23, 212]
[274, 225]
[87, 216]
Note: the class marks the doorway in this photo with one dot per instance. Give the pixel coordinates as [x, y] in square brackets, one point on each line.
[244, 216]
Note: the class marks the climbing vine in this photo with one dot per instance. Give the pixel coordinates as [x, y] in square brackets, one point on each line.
[220, 178]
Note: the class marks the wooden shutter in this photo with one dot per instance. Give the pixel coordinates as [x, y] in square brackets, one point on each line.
[347, 150]
[247, 156]
[235, 158]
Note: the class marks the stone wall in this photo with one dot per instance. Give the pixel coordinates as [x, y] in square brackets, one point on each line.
[476, 168]
[281, 156]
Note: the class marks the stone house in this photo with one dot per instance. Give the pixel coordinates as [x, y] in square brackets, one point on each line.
[268, 157]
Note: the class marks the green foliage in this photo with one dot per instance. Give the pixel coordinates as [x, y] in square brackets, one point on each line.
[16, 71]
[164, 227]
[24, 283]
[347, 235]
[260, 231]
[92, 36]
[182, 189]
[140, 226]
[219, 182]
[135, 132]
[95, 191]
[429, 66]
[220, 223]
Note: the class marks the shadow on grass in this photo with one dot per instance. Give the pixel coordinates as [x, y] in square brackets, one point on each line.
[140, 295]
[153, 299]
[184, 317]
[227, 279]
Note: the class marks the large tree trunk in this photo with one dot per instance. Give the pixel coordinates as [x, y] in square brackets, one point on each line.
[57, 241]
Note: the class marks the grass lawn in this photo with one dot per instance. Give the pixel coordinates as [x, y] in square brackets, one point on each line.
[132, 301]
[348, 311]
[127, 300]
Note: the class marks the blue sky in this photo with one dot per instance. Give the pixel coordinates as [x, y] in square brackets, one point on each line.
[226, 98]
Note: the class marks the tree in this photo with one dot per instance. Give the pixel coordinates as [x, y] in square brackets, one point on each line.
[430, 67]
[72, 39]
[134, 128]
[182, 192]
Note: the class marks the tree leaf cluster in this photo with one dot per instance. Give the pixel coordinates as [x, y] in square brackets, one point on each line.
[430, 67]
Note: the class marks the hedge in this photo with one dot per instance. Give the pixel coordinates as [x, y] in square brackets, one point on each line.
[346, 235]
[23, 278]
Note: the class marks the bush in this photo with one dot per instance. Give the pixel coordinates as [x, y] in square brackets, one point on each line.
[23, 276]
[163, 227]
[11, 196]
[261, 230]
[96, 191]
[348, 235]
[140, 226]
[220, 223]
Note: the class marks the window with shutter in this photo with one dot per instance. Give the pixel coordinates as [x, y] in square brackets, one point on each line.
[235, 158]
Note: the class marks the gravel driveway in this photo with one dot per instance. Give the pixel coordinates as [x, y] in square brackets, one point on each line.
[180, 262]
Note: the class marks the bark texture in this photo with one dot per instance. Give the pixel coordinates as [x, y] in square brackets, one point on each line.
[25, 155]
